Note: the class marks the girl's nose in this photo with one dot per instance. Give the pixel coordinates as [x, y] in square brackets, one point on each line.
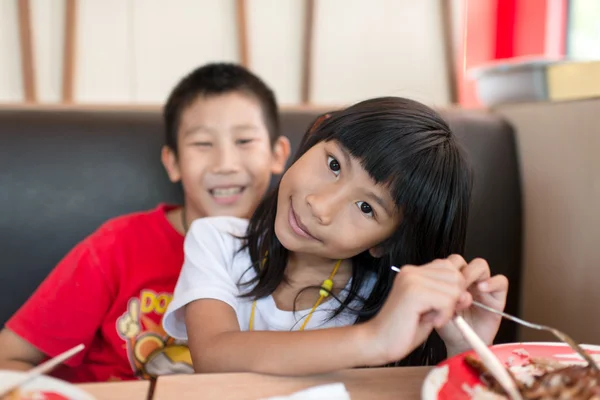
[325, 203]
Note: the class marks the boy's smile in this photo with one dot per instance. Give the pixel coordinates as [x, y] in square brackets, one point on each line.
[226, 195]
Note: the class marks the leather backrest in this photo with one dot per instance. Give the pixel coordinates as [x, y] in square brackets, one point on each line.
[64, 172]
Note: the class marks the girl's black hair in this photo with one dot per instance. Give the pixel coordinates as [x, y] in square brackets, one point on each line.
[408, 147]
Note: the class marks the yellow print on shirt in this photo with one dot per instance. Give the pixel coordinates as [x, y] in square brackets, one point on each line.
[150, 350]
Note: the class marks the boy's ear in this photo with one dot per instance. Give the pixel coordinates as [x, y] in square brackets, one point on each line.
[171, 164]
[376, 252]
[281, 153]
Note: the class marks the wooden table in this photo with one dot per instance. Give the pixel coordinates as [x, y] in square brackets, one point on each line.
[130, 390]
[370, 383]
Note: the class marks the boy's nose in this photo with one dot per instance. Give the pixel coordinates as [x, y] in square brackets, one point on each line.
[226, 161]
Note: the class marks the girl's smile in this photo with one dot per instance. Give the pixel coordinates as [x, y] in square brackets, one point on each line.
[297, 226]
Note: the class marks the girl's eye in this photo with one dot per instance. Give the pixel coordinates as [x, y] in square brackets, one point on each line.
[365, 208]
[334, 165]
[243, 141]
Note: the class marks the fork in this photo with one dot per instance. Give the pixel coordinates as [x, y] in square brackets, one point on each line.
[560, 335]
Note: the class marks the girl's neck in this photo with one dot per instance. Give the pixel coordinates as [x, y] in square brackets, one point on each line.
[306, 270]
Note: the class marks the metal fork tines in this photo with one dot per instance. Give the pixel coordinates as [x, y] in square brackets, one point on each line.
[560, 335]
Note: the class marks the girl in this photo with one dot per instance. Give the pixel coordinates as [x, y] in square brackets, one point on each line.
[305, 286]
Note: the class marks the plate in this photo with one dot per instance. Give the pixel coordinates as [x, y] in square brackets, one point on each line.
[450, 378]
[50, 388]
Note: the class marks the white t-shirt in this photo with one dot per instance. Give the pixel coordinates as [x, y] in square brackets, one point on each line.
[212, 269]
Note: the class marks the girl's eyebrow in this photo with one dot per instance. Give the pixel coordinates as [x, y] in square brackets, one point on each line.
[380, 201]
[377, 199]
[347, 158]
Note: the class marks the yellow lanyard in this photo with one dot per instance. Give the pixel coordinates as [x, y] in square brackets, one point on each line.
[326, 288]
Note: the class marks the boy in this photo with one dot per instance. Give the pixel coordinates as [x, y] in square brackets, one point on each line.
[111, 290]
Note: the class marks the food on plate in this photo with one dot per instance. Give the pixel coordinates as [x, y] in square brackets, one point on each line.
[521, 352]
[539, 379]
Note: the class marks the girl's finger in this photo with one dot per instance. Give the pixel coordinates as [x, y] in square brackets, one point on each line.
[445, 274]
[496, 286]
[478, 270]
[447, 280]
[464, 301]
[457, 261]
[433, 300]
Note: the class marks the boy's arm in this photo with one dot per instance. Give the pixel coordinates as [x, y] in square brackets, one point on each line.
[17, 353]
[217, 345]
[65, 310]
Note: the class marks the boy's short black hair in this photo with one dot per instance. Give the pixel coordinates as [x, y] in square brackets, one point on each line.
[212, 80]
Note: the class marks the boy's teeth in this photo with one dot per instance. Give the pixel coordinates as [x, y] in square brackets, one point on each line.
[226, 192]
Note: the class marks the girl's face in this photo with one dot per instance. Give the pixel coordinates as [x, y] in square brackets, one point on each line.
[329, 206]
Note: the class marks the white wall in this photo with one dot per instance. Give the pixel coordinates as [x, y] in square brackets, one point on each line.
[11, 88]
[276, 40]
[383, 47]
[103, 52]
[134, 51]
[48, 16]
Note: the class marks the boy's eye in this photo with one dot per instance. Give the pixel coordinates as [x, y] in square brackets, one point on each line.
[202, 144]
[243, 141]
[365, 208]
[334, 165]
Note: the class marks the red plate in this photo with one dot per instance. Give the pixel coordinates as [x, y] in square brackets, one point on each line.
[42, 396]
[44, 388]
[447, 380]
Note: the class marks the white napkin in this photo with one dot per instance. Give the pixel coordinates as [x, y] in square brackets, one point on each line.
[332, 391]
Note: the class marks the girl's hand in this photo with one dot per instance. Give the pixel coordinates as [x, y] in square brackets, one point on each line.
[421, 299]
[490, 291]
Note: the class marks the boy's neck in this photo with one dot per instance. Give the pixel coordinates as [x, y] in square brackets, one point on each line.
[180, 219]
[174, 218]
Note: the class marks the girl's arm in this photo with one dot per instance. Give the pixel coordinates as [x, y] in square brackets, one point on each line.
[217, 345]
[421, 299]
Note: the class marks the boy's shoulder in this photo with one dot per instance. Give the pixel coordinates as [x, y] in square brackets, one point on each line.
[149, 221]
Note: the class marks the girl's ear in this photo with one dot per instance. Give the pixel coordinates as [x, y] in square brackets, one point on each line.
[376, 252]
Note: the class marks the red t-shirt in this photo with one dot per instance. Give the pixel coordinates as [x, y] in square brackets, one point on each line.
[110, 293]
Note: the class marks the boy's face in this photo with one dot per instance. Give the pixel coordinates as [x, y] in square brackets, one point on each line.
[225, 158]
